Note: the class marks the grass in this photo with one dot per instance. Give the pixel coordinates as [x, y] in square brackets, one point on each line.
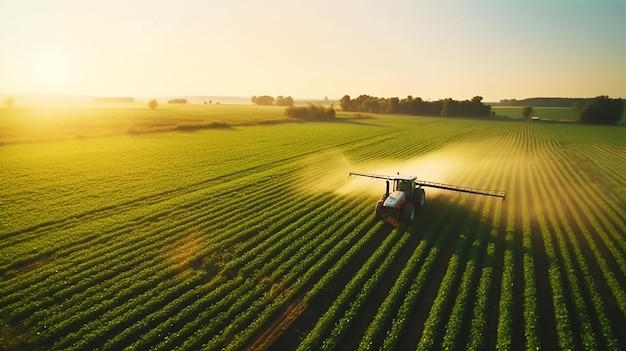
[553, 113]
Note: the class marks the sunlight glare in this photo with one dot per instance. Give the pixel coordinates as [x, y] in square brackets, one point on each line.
[51, 69]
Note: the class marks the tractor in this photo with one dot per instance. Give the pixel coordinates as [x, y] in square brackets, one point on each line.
[408, 196]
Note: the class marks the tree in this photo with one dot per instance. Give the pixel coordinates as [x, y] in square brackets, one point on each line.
[477, 99]
[153, 104]
[370, 105]
[394, 105]
[284, 101]
[9, 102]
[445, 109]
[345, 103]
[527, 111]
[602, 110]
[264, 100]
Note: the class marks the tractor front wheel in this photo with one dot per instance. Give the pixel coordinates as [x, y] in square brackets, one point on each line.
[408, 213]
[379, 209]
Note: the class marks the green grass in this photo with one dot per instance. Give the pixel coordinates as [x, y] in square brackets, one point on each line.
[253, 235]
[554, 113]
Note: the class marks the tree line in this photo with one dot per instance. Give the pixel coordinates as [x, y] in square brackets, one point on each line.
[546, 102]
[416, 106]
[599, 110]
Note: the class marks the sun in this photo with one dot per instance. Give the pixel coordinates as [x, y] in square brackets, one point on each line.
[51, 69]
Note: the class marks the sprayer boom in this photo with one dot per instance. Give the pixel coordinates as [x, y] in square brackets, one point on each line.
[462, 189]
[425, 183]
[408, 196]
[372, 175]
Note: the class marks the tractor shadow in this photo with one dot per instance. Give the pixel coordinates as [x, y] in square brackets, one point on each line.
[444, 227]
[471, 234]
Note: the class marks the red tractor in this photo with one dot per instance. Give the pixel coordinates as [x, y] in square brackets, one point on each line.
[408, 196]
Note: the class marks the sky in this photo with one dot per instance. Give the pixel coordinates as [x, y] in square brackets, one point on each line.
[498, 49]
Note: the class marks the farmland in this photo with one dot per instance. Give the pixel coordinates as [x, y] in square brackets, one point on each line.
[248, 234]
[560, 114]
[552, 113]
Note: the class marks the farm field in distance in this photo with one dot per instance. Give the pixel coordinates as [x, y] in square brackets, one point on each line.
[240, 230]
[551, 113]
[560, 114]
[56, 123]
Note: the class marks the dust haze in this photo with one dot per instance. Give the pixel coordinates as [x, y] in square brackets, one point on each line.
[328, 172]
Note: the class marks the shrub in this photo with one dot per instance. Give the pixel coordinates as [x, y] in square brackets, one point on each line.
[153, 104]
[310, 112]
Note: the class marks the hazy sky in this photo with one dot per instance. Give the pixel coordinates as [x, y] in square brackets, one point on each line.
[307, 49]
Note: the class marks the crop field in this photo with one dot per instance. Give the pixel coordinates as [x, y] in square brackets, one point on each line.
[251, 235]
[22, 125]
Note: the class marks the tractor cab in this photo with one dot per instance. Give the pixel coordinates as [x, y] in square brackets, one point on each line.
[404, 183]
[403, 191]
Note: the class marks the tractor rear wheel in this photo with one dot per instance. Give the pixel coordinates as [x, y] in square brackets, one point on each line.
[419, 197]
[408, 213]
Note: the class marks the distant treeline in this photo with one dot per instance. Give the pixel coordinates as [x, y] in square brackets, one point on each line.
[177, 101]
[416, 106]
[547, 102]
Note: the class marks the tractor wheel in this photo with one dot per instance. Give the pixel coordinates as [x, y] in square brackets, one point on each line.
[378, 211]
[419, 197]
[408, 213]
